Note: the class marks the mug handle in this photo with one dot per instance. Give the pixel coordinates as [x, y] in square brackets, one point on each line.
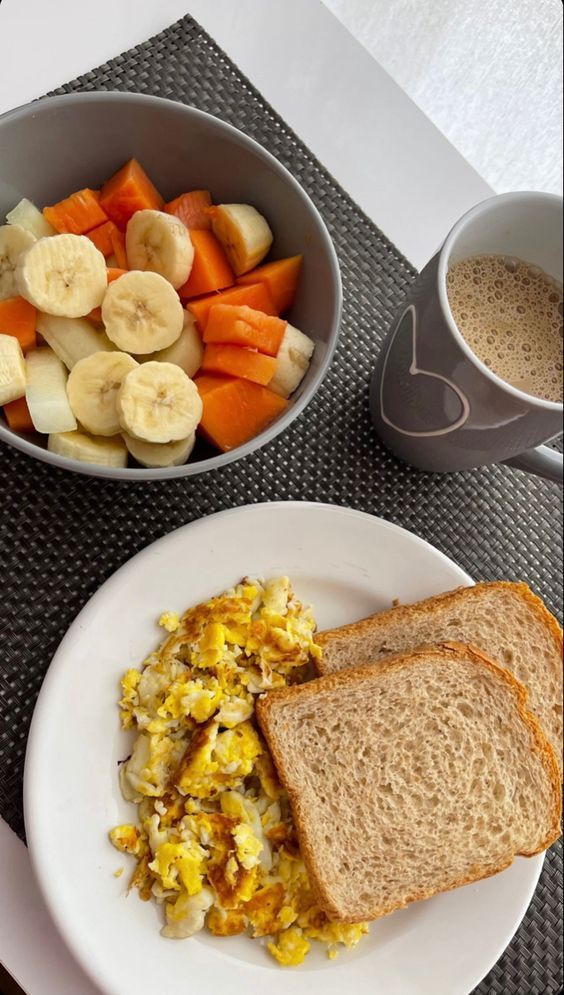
[543, 461]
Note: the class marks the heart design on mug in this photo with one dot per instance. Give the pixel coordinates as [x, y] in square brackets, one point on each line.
[414, 401]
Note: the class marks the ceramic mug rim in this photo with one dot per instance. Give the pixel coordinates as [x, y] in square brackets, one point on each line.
[444, 256]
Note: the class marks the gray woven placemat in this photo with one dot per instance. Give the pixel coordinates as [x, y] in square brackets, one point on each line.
[61, 536]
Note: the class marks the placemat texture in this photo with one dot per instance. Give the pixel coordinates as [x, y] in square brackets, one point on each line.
[61, 535]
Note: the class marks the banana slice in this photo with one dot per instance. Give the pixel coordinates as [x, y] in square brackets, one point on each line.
[88, 448]
[187, 352]
[28, 216]
[63, 275]
[244, 234]
[160, 243]
[13, 241]
[154, 454]
[46, 392]
[292, 361]
[93, 387]
[157, 402]
[12, 369]
[142, 312]
[72, 338]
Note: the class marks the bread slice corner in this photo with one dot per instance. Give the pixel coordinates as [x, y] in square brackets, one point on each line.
[503, 619]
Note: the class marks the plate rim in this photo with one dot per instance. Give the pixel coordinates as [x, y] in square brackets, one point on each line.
[57, 661]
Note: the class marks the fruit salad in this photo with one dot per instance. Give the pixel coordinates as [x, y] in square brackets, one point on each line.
[129, 327]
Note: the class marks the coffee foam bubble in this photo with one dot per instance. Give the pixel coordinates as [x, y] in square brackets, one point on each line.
[510, 313]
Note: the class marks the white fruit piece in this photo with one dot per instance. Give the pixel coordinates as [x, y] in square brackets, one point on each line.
[155, 454]
[93, 387]
[46, 392]
[12, 369]
[14, 240]
[89, 448]
[292, 361]
[157, 402]
[187, 352]
[63, 275]
[160, 243]
[142, 312]
[244, 234]
[28, 216]
[72, 339]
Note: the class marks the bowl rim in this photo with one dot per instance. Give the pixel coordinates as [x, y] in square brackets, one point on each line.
[285, 420]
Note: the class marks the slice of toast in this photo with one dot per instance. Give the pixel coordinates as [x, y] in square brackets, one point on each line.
[411, 778]
[506, 621]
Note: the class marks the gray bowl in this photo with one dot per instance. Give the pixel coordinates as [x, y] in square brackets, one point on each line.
[60, 144]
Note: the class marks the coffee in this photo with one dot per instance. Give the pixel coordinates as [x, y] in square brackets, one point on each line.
[510, 313]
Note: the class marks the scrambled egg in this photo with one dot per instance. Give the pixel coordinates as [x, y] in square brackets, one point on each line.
[215, 844]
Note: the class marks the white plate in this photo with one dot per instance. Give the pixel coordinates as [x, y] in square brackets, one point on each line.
[347, 564]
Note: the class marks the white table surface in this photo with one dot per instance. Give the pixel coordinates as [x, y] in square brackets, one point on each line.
[376, 142]
[489, 75]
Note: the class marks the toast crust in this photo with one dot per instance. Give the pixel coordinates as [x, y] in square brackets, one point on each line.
[406, 612]
[350, 677]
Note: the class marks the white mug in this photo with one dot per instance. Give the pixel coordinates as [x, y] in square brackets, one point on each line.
[434, 403]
